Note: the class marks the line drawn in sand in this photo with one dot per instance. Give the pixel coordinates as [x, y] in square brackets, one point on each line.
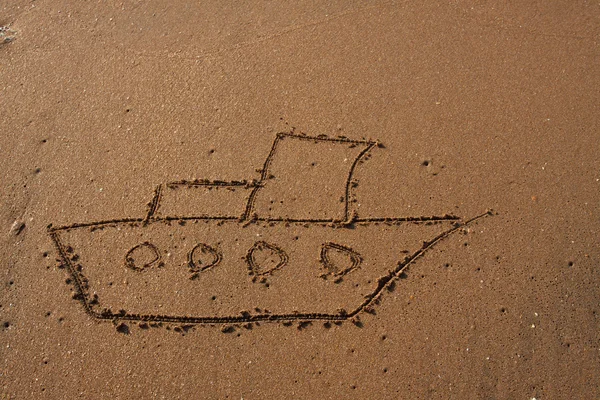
[289, 246]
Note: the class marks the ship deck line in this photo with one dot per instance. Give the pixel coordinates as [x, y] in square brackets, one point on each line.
[240, 220]
[303, 317]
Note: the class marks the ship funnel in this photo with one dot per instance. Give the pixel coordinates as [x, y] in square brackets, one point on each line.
[307, 178]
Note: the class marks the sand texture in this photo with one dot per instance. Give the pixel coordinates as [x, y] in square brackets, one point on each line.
[320, 200]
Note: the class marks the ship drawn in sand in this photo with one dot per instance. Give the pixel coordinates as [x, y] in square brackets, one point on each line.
[289, 246]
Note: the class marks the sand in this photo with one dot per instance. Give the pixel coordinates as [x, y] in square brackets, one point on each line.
[308, 200]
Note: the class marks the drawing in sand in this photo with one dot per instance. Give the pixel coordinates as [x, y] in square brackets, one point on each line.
[222, 252]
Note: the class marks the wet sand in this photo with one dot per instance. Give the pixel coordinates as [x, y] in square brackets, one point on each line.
[157, 242]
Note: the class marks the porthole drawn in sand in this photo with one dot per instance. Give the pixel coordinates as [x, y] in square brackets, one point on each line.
[202, 258]
[264, 258]
[142, 256]
[339, 260]
[203, 245]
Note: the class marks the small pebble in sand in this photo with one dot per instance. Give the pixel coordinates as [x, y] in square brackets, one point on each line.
[17, 227]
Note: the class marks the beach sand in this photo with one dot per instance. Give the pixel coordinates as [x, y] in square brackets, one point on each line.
[337, 280]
